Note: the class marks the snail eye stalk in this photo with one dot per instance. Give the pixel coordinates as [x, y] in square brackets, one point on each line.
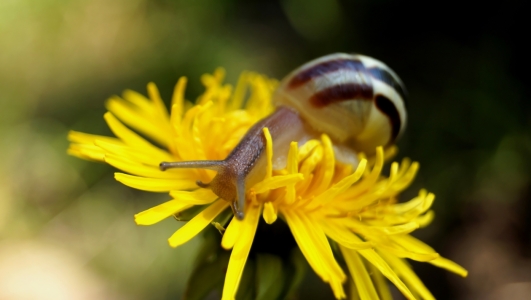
[214, 165]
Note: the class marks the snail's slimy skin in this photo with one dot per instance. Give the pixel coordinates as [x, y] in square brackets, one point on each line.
[356, 100]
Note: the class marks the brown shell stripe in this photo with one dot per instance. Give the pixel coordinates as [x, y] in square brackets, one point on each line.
[384, 76]
[325, 67]
[342, 92]
[378, 73]
[388, 108]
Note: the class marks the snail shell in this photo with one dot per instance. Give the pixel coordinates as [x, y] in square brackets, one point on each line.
[355, 99]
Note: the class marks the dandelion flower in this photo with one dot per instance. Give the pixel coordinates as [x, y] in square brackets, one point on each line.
[323, 201]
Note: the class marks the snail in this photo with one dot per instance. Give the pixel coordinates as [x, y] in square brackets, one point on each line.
[356, 100]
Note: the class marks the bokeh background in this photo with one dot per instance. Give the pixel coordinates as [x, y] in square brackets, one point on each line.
[66, 227]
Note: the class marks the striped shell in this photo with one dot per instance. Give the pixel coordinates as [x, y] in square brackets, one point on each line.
[355, 99]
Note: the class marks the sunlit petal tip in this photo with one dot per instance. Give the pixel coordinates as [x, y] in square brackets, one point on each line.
[72, 136]
[270, 214]
[231, 234]
[425, 219]
[449, 265]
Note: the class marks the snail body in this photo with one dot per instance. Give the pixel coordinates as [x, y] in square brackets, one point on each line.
[356, 100]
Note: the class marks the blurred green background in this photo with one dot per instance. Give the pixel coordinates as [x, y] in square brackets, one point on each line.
[66, 226]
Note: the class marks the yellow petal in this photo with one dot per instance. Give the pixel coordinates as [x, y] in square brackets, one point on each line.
[405, 253]
[403, 212]
[390, 152]
[408, 275]
[380, 283]
[276, 182]
[89, 152]
[135, 168]
[343, 235]
[197, 224]
[85, 138]
[369, 180]
[160, 212]
[138, 120]
[302, 186]
[314, 245]
[383, 267]
[139, 155]
[270, 214]
[408, 177]
[292, 168]
[311, 162]
[198, 140]
[325, 173]
[269, 153]
[239, 92]
[176, 116]
[197, 197]
[393, 173]
[415, 206]
[128, 136]
[360, 275]
[231, 234]
[339, 187]
[449, 265]
[240, 252]
[307, 148]
[397, 229]
[412, 244]
[292, 164]
[154, 184]
[425, 219]
[260, 104]
[140, 101]
[154, 95]
[177, 102]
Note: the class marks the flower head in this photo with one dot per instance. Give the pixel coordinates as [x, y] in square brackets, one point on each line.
[324, 202]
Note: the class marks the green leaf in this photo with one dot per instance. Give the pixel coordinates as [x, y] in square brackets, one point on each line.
[210, 247]
[269, 277]
[221, 221]
[207, 277]
[224, 217]
[246, 290]
[190, 213]
[300, 267]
